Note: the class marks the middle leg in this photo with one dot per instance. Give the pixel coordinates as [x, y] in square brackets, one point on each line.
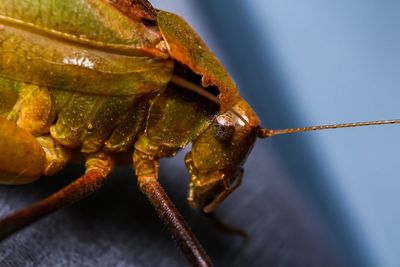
[146, 167]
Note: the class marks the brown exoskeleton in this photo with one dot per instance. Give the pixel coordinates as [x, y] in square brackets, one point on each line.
[135, 83]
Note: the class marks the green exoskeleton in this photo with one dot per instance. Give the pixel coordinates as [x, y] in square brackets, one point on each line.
[102, 82]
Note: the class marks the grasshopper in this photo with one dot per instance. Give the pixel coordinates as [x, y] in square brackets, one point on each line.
[135, 84]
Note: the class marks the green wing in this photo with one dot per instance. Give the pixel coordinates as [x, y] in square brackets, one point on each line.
[83, 20]
[85, 46]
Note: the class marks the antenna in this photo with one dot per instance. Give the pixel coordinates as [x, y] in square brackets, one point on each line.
[194, 88]
[265, 132]
[202, 92]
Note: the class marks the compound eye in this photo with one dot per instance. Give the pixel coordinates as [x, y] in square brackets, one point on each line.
[224, 128]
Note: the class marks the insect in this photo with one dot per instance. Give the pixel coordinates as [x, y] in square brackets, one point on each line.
[219, 123]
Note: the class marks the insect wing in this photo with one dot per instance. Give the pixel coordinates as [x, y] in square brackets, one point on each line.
[84, 46]
[84, 20]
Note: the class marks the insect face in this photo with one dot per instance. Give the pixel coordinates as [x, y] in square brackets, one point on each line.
[215, 162]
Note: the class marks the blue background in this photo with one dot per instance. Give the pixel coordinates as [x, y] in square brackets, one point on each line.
[319, 62]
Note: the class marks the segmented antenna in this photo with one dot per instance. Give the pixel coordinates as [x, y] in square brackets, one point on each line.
[194, 88]
[265, 132]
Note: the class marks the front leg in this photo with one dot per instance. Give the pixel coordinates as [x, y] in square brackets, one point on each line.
[145, 160]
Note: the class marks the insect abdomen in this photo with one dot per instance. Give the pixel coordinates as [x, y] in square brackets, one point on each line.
[88, 122]
[76, 120]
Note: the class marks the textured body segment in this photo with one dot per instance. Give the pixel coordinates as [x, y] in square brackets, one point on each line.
[27, 105]
[73, 118]
[76, 120]
[34, 109]
[87, 122]
[129, 126]
[46, 61]
[108, 115]
[9, 91]
[84, 20]
[178, 116]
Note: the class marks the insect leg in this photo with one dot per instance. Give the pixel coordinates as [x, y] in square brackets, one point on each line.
[146, 168]
[98, 166]
[22, 157]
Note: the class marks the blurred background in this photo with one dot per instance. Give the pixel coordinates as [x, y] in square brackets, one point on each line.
[307, 200]
[321, 62]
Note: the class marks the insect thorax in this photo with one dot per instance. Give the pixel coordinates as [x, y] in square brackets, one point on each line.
[171, 118]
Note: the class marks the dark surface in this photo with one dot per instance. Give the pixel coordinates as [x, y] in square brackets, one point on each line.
[117, 227]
